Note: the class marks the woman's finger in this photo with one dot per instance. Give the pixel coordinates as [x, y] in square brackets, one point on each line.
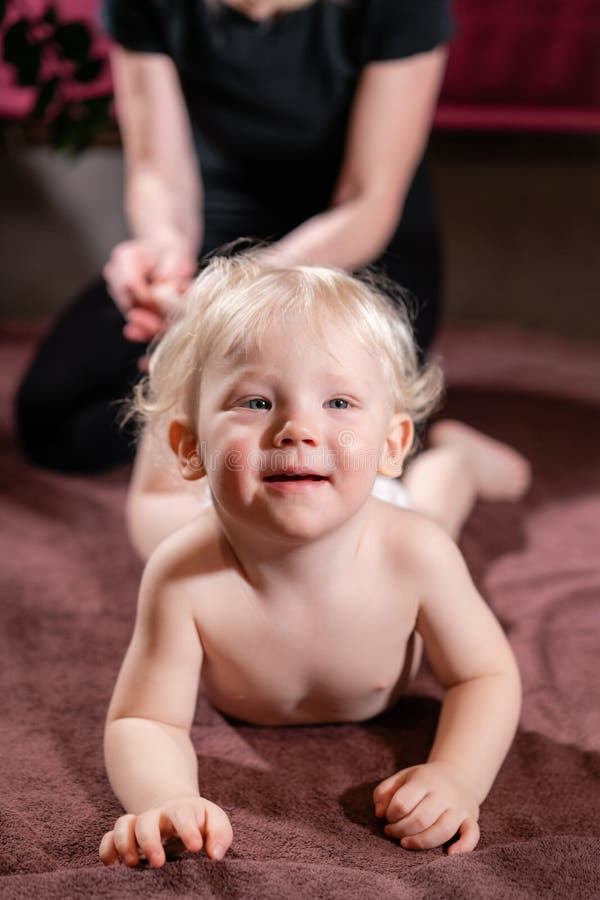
[174, 265]
[166, 298]
[143, 363]
[145, 318]
[142, 325]
[127, 274]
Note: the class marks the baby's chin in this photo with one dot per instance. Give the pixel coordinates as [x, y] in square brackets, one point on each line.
[297, 525]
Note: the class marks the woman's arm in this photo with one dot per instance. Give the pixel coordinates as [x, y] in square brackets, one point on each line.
[387, 134]
[162, 179]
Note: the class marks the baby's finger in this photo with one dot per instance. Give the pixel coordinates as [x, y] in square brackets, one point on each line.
[385, 790]
[434, 836]
[124, 840]
[422, 816]
[469, 837]
[216, 828]
[186, 825]
[149, 836]
[107, 851]
[405, 800]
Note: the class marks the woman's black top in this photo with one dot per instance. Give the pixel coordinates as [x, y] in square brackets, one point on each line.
[269, 101]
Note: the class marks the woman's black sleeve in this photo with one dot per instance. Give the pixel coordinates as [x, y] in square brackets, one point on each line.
[136, 24]
[399, 28]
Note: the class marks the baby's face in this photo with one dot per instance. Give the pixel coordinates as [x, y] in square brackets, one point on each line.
[292, 432]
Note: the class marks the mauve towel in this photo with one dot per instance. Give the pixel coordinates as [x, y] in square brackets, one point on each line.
[300, 798]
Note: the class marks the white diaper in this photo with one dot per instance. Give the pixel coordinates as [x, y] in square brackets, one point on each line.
[391, 490]
[205, 494]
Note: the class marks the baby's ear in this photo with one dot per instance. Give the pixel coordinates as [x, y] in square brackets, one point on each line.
[397, 445]
[184, 445]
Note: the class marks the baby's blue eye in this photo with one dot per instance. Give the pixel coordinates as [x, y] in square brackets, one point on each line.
[338, 403]
[257, 403]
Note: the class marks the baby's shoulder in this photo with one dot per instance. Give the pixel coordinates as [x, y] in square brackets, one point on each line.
[410, 539]
[188, 556]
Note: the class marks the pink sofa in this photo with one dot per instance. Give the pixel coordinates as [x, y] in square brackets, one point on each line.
[524, 65]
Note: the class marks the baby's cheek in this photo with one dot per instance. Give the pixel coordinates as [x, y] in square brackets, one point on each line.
[358, 463]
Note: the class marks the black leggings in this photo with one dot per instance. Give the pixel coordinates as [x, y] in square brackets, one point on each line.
[69, 403]
[68, 407]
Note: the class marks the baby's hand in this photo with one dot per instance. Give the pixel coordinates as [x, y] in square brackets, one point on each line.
[196, 822]
[425, 807]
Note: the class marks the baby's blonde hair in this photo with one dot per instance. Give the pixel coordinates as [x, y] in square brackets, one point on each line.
[235, 300]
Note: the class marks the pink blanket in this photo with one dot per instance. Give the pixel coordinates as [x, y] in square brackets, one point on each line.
[299, 798]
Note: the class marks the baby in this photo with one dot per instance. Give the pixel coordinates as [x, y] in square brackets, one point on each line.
[294, 595]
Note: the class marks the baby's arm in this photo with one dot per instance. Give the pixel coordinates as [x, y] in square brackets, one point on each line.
[426, 805]
[150, 759]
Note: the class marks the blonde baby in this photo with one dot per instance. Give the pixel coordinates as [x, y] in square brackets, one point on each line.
[294, 595]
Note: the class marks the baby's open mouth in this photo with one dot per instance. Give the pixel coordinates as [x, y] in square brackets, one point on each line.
[307, 476]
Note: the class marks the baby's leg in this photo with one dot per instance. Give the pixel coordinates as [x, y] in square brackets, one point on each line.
[159, 501]
[460, 466]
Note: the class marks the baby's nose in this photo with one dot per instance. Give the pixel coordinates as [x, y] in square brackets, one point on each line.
[296, 430]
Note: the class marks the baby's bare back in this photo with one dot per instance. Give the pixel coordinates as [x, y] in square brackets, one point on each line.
[340, 653]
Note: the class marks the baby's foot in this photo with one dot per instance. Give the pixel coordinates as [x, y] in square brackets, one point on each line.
[500, 472]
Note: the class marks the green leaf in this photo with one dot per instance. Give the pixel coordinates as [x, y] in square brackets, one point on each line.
[65, 134]
[74, 128]
[97, 112]
[45, 97]
[101, 103]
[74, 41]
[89, 70]
[59, 130]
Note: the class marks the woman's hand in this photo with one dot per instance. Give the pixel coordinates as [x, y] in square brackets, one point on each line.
[145, 278]
[188, 820]
[426, 806]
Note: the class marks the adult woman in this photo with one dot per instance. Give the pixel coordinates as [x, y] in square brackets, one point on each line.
[308, 119]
